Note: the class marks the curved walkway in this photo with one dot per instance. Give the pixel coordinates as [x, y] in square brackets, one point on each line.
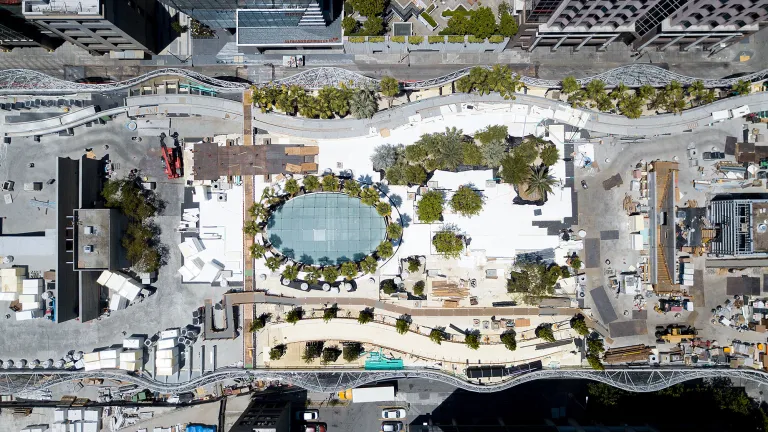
[135, 106]
[24, 81]
[386, 336]
[249, 297]
[611, 124]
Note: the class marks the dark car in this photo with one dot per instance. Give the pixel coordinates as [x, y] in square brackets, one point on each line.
[584, 184]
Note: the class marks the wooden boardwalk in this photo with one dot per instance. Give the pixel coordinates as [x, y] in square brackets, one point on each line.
[247, 310]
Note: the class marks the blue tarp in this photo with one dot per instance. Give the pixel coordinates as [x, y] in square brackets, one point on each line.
[201, 428]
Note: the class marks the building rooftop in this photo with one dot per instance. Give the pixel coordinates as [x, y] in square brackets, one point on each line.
[92, 240]
[288, 35]
[63, 7]
[212, 160]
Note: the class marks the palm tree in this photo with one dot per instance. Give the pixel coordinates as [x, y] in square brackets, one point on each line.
[313, 275]
[257, 250]
[540, 182]
[292, 186]
[742, 87]
[290, 273]
[364, 103]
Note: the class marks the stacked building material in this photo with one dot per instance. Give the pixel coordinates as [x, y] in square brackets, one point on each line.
[167, 354]
[628, 354]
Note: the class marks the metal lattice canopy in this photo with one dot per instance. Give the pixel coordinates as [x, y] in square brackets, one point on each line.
[31, 384]
[22, 81]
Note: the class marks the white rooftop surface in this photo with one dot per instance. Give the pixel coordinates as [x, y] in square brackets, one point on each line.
[355, 153]
[224, 220]
[82, 7]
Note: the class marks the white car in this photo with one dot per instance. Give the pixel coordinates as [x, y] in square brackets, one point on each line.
[308, 415]
[393, 413]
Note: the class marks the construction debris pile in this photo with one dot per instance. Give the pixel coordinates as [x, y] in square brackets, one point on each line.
[742, 314]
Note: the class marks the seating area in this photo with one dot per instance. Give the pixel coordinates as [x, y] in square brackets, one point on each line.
[12, 105]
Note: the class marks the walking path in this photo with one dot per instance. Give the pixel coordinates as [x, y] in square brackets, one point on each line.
[251, 297]
[415, 344]
[611, 124]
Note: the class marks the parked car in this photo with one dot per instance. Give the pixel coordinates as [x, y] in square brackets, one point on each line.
[391, 426]
[584, 184]
[713, 155]
[316, 427]
[393, 413]
[308, 415]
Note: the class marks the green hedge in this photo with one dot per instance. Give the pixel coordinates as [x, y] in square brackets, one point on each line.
[431, 8]
[415, 40]
[460, 9]
[456, 39]
[473, 39]
[436, 39]
[357, 39]
[397, 39]
[494, 39]
[429, 19]
[375, 38]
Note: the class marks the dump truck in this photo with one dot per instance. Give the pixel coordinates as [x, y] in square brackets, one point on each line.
[368, 394]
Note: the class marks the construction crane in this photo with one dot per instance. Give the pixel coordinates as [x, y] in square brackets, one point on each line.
[169, 159]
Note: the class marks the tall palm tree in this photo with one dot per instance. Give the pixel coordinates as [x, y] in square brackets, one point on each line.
[540, 182]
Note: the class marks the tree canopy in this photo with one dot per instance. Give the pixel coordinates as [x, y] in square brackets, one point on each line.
[430, 207]
[448, 244]
[533, 280]
[385, 156]
[368, 8]
[483, 81]
[466, 201]
[569, 85]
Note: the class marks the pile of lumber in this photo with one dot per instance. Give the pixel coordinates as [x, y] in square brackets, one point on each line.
[449, 290]
[627, 354]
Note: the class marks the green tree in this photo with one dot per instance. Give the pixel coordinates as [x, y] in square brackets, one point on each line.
[311, 183]
[330, 354]
[389, 87]
[430, 207]
[544, 332]
[352, 188]
[330, 313]
[277, 352]
[251, 228]
[273, 263]
[373, 26]
[579, 325]
[259, 323]
[415, 175]
[507, 25]
[396, 174]
[294, 315]
[416, 153]
[742, 87]
[594, 362]
[330, 274]
[292, 186]
[352, 351]
[595, 346]
[394, 231]
[290, 273]
[514, 169]
[604, 103]
[482, 23]
[370, 196]
[549, 155]
[418, 288]
[437, 336]
[369, 265]
[384, 250]
[619, 92]
[466, 201]
[365, 316]
[413, 264]
[472, 154]
[389, 286]
[368, 8]
[349, 270]
[349, 25]
[509, 341]
[540, 183]
[708, 97]
[604, 394]
[448, 244]
[364, 103]
[258, 250]
[492, 133]
[257, 210]
[646, 92]
[696, 88]
[569, 85]
[576, 263]
[631, 106]
[533, 280]
[472, 340]
[330, 183]
[313, 276]
[178, 28]
[595, 89]
[312, 350]
[402, 325]
[384, 209]
[493, 153]
[385, 155]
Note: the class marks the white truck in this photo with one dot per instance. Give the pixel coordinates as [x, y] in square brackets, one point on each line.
[369, 394]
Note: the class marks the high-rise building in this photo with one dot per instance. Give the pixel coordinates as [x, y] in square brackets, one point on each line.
[643, 23]
[99, 26]
[15, 31]
[270, 23]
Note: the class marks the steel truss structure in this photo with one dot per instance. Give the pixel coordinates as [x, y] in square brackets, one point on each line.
[23, 81]
[30, 383]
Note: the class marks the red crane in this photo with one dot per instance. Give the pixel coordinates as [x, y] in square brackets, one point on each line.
[169, 159]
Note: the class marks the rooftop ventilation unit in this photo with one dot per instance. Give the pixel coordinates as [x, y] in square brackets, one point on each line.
[88, 248]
